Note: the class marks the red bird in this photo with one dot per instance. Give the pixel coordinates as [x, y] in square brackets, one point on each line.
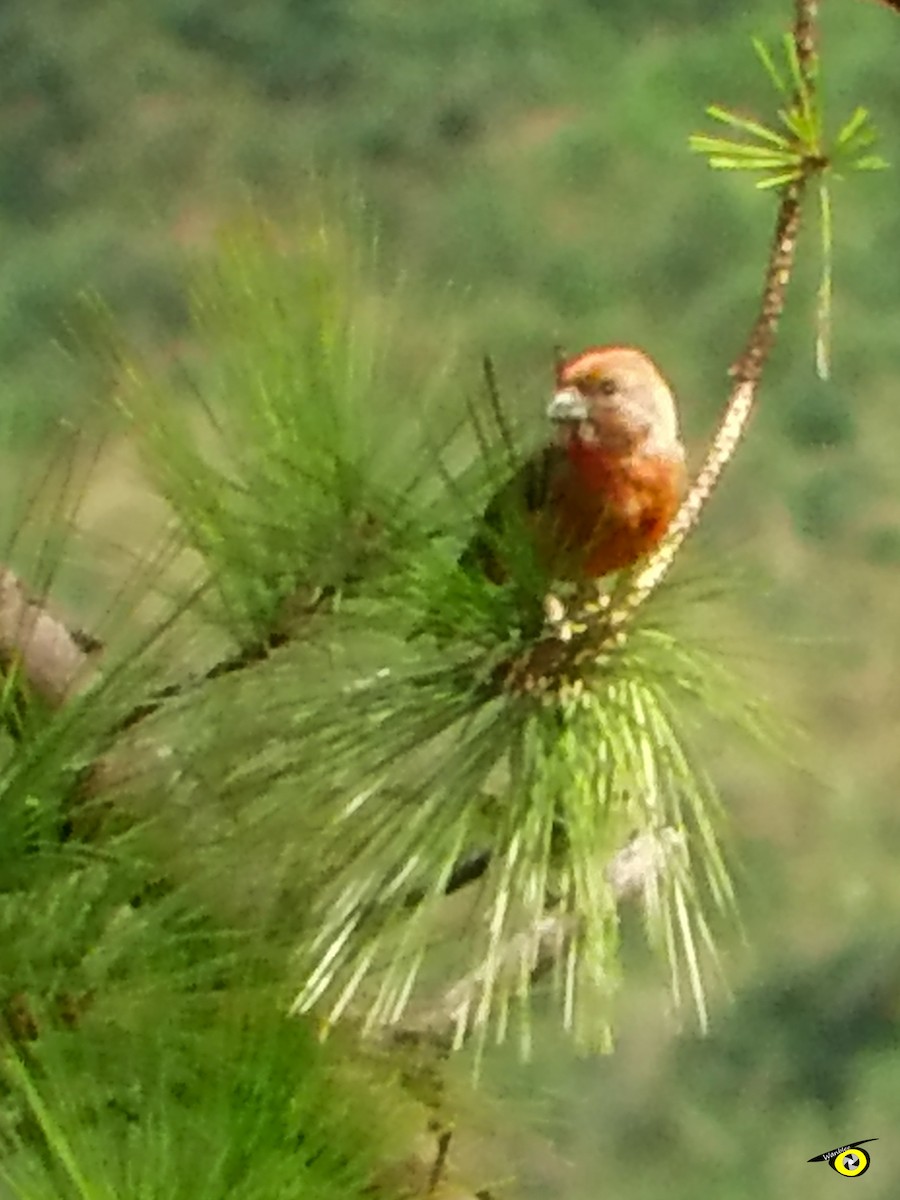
[601, 495]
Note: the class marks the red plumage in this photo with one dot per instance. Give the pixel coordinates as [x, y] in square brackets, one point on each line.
[601, 495]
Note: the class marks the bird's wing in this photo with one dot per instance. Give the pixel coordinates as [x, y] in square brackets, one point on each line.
[528, 492]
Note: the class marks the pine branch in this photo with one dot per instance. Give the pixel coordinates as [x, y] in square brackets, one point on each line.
[53, 660]
[750, 364]
[584, 633]
[747, 372]
[631, 872]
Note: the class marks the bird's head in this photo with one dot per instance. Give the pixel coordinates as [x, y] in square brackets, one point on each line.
[615, 399]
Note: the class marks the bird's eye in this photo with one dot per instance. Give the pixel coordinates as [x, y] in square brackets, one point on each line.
[607, 386]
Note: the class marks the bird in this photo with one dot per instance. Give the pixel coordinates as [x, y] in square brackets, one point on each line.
[599, 496]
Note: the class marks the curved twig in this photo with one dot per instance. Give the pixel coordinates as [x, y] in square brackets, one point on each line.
[582, 633]
[747, 372]
[748, 368]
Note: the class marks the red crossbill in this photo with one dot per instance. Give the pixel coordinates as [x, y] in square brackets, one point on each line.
[601, 494]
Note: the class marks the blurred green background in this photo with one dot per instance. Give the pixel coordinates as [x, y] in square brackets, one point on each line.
[526, 165]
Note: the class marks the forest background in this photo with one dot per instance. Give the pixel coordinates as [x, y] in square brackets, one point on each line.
[527, 167]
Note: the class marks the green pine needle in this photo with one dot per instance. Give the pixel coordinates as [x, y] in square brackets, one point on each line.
[553, 792]
[327, 792]
[780, 160]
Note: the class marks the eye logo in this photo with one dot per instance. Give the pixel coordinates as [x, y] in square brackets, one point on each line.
[849, 1160]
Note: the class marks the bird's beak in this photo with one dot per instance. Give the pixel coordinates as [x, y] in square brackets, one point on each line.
[568, 404]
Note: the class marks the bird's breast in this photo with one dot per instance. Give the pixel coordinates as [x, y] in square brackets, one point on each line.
[612, 510]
